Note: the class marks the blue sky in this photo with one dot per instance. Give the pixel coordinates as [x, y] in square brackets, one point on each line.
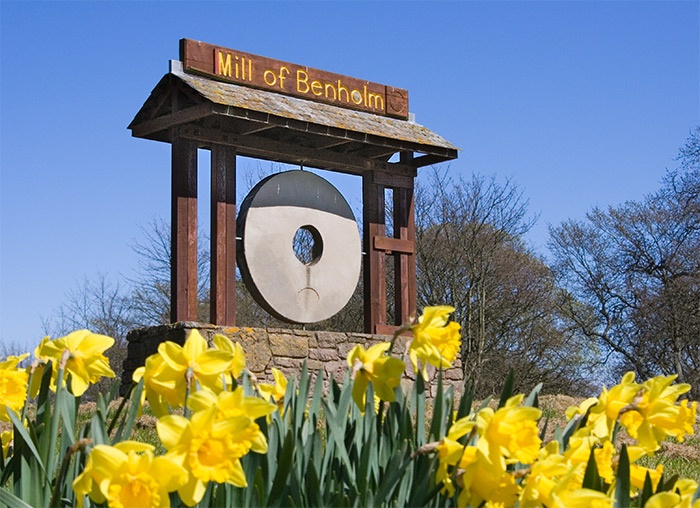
[579, 103]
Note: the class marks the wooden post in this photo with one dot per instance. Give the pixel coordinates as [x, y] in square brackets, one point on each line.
[404, 262]
[223, 236]
[374, 269]
[183, 236]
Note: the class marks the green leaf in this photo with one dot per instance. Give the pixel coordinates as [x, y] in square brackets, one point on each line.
[392, 475]
[302, 397]
[9, 499]
[118, 412]
[284, 468]
[669, 484]
[68, 418]
[622, 485]
[591, 479]
[466, 401]
[20, 430]
[128, 424]
[419, 405]
[532, 400]
[507, 392]
[647, 490]
[436, 425]
[336, 435]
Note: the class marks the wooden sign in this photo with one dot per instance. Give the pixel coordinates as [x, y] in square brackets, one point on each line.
[287, 78]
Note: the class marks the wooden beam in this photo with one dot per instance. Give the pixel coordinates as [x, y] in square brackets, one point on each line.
[394, 245]
[194, 113]
[427, 160]
[223, 236]
[393, 180]
[374, 269]
[404, 263]
[289, 153]
[183, 287]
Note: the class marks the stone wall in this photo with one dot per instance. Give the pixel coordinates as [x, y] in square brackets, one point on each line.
[283, 349]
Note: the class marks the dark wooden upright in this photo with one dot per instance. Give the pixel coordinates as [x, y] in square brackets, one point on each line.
[374, 266]
[223, 235]
[183, 237]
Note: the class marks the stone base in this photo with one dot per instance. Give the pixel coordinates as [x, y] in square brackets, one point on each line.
[284, 349]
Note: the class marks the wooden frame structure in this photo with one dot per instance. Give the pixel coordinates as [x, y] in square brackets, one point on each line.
[192, 112]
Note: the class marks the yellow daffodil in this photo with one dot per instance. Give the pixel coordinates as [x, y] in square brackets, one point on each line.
[276, 391]
[450, 451]
[604, 414]
[209, 449]
[485, 481]
[435, 341]
[580, 446]
[205, 365]
[679, 496]
[162, 385]
[655, 415]
[86, 362]
[235, 404]
[558, 482]
[510, 432]
[6, 437]
[128, 475]
[604, 461]
[13, 386]
[237, 365]
[37, 369]
[582, 498]
[372, 365]
[546, 473]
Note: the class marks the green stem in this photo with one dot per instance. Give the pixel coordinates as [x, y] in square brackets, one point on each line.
[397, 333]
[188, 388]
[55, 421]
[122, 404]
[79, 446]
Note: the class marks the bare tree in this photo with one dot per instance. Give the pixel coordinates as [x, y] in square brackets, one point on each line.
[150, 297]
[102, 305]
[470, 255]
[637, 269]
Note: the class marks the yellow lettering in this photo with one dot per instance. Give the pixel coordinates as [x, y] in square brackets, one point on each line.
[356, 97]
[283, 75]
[269, 77]
[223, 66]
[250, 70]
[329, 86]
[342, 89]
[302, 81]
[316, 88]
[375, 101]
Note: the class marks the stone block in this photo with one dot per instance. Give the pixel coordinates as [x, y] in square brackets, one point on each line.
[344, 349]
[292, 365]
[454, 374]
[324, 355]
[289, 345]
[257, 350]
[360, 338]
[330, 339]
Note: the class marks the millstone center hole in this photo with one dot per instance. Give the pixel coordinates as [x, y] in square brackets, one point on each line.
[307, 245]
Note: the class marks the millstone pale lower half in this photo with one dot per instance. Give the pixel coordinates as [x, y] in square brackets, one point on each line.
[291, 289]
